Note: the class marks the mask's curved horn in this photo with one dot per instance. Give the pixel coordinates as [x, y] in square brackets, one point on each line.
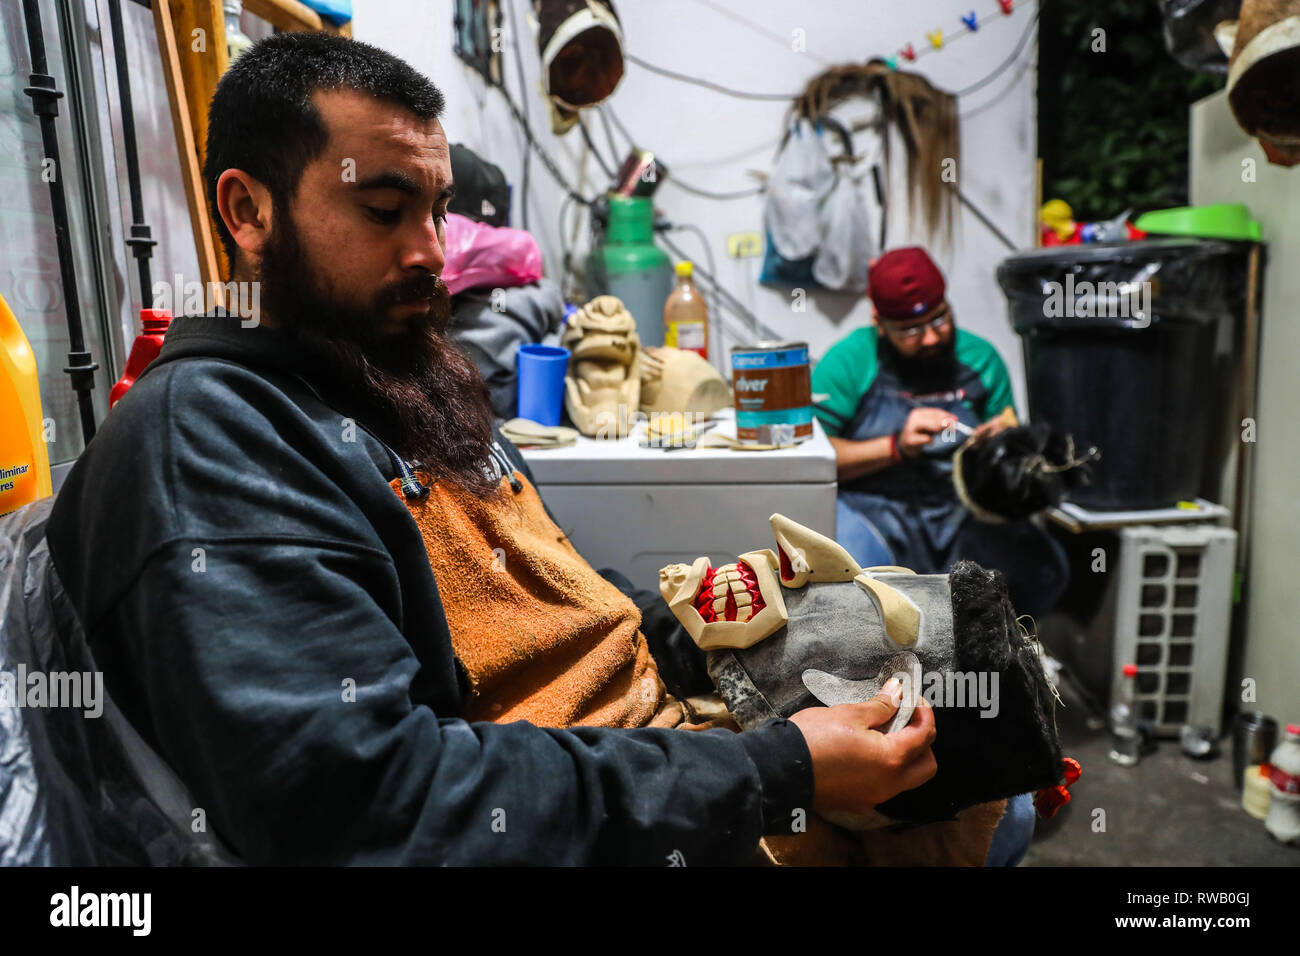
[902, 618]
[807, 556]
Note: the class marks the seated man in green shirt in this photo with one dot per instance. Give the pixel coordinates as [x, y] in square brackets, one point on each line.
[897, 400]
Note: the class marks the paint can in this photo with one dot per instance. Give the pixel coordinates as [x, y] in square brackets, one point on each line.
[772, 383]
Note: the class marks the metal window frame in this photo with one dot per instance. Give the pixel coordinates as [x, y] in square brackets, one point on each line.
[89, 212]
[99, 201]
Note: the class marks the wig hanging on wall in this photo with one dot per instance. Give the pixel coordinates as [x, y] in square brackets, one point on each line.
[924, 118]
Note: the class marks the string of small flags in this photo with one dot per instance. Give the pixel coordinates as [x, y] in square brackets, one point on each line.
[937, 41]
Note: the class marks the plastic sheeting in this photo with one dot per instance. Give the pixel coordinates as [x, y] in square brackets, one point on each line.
[1125, 285]
[816, 218]
[76, 788]
[1189, 32]
[846, 248]
[800, 182]
[483, 256]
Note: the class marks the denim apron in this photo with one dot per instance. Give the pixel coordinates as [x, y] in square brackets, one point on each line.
[911, 506]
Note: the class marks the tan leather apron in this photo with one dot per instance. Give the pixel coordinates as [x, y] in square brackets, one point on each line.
[541, 635]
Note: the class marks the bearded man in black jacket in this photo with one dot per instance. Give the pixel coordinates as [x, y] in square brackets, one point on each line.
[274, 547]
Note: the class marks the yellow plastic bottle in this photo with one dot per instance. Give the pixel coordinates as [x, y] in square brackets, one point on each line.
[24, 459]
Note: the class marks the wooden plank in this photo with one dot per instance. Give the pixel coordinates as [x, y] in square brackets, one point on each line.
[200, 29]
[1247, 396]
[204, 234]
[1038, 202]
[192, 38]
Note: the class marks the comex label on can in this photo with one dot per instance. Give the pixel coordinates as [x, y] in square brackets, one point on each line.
[773, 392]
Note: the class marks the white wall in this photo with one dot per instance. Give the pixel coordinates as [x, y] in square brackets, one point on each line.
[1218, 147]
[710, 140]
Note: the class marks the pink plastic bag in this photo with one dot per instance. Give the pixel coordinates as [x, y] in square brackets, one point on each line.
[481, 255]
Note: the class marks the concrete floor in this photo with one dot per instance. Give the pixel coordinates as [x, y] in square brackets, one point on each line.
[1169, 810]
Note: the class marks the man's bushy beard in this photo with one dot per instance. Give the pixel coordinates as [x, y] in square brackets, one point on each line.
[414, 388]
[938, 367]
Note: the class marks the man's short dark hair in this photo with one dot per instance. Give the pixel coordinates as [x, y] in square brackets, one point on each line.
[262, 119]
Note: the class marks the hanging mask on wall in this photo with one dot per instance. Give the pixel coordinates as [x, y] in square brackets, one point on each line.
[1264, 75]
[581, 46]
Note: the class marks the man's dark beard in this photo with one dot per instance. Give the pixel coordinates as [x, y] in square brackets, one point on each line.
[414, 388]
[924, 372]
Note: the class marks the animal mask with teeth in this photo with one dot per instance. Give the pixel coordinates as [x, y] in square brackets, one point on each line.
[804, 625]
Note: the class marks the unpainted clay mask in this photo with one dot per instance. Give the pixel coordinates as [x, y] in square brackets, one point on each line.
[675, 380]
[602, 388]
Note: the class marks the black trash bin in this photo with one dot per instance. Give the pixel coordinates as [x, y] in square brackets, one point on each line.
[1124, 349]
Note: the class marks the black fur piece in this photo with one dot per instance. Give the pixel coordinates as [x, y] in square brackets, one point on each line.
[988, 758]
[1022, 471]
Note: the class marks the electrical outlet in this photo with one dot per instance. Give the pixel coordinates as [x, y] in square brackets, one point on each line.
[744, 245]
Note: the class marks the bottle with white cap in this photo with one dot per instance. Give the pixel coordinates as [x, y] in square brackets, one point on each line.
[1283, 819]
[236, 40]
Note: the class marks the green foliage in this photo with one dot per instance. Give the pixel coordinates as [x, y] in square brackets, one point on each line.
[1113, 125]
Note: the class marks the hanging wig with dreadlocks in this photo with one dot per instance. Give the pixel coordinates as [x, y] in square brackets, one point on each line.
[925, 119]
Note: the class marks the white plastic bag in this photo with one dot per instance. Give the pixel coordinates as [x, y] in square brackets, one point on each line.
[846, 247]
[801, 179]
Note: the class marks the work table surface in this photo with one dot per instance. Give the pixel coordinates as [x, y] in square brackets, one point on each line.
[596, 461]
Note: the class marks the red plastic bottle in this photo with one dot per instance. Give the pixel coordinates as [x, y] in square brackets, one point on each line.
[148, 343]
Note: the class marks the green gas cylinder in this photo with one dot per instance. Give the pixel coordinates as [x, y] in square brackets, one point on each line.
[627, 264]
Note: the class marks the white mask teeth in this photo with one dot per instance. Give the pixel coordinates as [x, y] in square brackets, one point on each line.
[750, 587]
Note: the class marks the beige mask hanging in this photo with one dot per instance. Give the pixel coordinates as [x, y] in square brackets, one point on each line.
[1263, 45]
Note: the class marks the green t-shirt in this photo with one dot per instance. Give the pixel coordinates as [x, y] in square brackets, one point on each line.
[847, 370]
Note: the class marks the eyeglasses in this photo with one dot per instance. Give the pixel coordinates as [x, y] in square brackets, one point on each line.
[938, 324]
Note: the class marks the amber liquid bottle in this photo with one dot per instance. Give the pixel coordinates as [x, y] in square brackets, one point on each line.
[686, 317]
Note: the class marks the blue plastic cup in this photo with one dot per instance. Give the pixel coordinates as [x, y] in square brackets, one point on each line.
[541, 371]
